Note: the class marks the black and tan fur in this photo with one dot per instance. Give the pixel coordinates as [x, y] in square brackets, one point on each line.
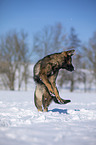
[45, 74]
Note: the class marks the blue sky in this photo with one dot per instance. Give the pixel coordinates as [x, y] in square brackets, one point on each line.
[33, 15]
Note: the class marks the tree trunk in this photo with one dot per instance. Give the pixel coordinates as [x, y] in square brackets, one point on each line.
[72, 86]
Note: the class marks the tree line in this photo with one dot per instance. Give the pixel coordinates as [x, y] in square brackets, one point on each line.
[16, 56]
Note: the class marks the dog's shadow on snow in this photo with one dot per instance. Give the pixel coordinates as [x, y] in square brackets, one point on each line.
[63, 111]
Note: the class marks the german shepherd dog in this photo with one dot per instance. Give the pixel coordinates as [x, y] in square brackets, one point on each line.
[45, 74]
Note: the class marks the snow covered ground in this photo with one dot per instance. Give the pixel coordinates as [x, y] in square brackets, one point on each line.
[70, 124]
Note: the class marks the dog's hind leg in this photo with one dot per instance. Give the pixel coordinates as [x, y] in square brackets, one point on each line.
[38, 96]
[42, 98]
[46, 100]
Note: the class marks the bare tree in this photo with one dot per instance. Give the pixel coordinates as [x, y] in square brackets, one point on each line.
[8, 58]
[23, 60]
[89, 52]
[92, 56]
[14, 55]
[49, 40]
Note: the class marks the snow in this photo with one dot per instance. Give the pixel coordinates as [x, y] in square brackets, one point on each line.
[70, 124]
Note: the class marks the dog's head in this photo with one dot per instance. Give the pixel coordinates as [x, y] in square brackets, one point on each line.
[68, 60]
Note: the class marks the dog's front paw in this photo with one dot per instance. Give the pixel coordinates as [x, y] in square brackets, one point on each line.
[66, 101]
[62, 101]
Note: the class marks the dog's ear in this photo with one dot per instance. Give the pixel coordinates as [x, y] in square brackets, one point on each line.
[70, 52]
[66, 53]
